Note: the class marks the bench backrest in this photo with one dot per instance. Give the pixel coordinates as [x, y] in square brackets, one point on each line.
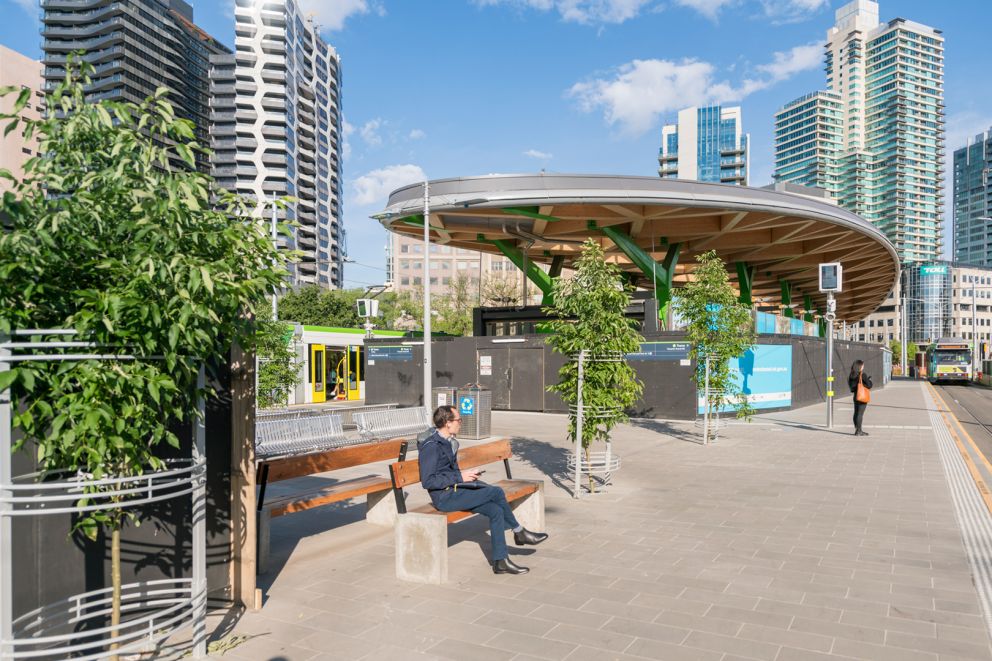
[333, 459]
[392, 423]
[408, 472]
[301, 435]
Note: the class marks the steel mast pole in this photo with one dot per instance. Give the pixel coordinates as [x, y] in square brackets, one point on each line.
[427, 295]
[831, 306]
[275, 245]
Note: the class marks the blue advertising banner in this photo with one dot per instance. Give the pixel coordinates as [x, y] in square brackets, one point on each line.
[389, 353]
[662, 351]
[764, 374]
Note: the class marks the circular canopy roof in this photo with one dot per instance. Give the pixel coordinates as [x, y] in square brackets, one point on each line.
[782, 235]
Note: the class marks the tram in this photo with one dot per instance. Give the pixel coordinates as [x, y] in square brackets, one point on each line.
[332, 362]
[949, 359]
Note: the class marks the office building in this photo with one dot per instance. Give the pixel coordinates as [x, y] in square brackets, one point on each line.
[885, 159]
[287, 128]
[706, 144]
[500, 280]
[18, 71]
[943, 299]
[135, 47]
[972, 167]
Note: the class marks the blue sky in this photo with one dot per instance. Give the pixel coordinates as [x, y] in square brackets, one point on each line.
[444, 88]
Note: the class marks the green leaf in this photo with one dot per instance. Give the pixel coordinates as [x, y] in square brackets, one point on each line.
[7, 378]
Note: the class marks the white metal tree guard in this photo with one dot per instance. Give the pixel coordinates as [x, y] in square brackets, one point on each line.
[152, 611]
[599, 463]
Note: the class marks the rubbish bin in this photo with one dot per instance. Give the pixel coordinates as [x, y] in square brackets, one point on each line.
[441, 396]
[475, 405]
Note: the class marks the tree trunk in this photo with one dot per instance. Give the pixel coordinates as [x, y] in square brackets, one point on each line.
[592, 484]
[115, 575]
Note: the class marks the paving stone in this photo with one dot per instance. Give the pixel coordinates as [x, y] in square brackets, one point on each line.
[730, 645]
[460, 650]
[655, 649]
[543, 648]
[518, 623]
[587, 636]
[650, 630]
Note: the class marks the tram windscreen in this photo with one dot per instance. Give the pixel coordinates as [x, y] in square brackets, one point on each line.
[953, 357]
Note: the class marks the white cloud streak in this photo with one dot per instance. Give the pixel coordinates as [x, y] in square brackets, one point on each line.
[331, 14]
[639, 92]
[347, 129]
[373, 187]
[539, 155]
[416, 134]
[579, 11]
[370, 132]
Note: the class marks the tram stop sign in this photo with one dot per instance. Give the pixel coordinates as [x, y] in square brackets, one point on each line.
[831, 277]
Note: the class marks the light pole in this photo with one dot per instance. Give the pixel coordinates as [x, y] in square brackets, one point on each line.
[275, 245]
[427, 295]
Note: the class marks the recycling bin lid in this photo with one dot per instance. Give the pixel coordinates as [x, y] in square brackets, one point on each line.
[473, 387]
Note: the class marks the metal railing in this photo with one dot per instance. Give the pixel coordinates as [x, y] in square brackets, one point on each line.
[305, 434]
[392, 423]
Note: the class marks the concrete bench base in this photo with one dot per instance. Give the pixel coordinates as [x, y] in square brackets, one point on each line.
[380, 510]
[422, 539]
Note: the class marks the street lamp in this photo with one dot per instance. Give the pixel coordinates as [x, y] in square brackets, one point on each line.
[427, 295]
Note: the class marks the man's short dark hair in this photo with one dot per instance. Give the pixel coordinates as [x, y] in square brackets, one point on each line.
[443, 415]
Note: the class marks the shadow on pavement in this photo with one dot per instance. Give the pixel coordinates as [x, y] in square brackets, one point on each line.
[668, 429]
[547, 458]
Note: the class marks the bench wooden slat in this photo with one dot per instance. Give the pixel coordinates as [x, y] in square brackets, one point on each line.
[408, 472]
[334, 459]
[334, 493]
[515, 489]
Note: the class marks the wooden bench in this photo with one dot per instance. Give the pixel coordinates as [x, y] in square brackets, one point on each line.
[393, 423]
[376, 488]
[422, 532]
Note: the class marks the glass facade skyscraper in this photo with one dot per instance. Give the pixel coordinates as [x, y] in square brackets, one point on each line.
[885, 159]
[808, 140]
[707, 144]
[973, 201]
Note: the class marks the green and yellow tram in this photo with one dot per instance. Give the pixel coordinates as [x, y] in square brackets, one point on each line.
[949, 360]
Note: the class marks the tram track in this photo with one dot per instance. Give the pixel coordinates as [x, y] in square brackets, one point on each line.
[972, 408]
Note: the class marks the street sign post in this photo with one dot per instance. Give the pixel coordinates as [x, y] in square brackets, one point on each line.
[831, 280]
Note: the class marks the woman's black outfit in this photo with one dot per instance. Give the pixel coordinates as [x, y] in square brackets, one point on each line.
[859, 407]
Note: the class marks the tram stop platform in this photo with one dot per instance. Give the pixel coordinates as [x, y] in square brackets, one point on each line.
[783, 541]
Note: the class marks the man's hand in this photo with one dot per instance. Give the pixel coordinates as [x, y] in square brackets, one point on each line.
[470, 475]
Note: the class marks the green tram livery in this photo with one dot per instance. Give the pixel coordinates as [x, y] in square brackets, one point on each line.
[949, 359]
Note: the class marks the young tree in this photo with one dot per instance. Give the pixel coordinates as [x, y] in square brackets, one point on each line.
[589, 316]
[106, 236]
[501, 290]
[278, 369]
[314, 306]
[718, 325]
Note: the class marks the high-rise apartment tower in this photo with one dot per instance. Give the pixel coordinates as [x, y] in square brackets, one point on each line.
[706, 144]
[973, 201]
[287, 129]
[884, 161]
[135, 47]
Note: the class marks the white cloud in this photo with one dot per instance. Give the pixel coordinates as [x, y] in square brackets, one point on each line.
[639, 92]
[370, 132]
[792, 11]
[579, 11]
[796, 60]
[374, 186]
[962, 127]
[30, 6]
[708, 8]
[416, 134]
[539, 155]
[347, 128]
[331, 14]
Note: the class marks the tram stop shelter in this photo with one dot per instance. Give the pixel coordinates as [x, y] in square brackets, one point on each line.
[653, 228]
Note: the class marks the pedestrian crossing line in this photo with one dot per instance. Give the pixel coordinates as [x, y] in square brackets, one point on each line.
[966, 455]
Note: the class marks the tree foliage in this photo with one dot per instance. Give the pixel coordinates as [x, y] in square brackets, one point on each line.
[451, 308]
[107, 236]
[313, 305]
[588, 314]
[718, 325]
[278, 369]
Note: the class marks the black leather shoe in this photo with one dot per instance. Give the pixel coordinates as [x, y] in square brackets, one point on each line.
[527, 537]
[507, 567]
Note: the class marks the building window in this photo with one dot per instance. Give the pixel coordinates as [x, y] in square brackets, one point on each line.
[405, 280]
[405, 248]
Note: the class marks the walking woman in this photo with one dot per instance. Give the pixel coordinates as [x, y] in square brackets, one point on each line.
[860, 384]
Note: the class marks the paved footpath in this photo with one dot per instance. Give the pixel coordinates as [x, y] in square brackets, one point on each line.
[783, 541]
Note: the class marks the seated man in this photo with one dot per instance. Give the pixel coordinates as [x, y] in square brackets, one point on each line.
[454, 490]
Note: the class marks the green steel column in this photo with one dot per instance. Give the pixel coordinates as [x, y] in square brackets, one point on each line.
[543, 281]
[808, 307]
[787, 299]
[662, 274]
[745, 278]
